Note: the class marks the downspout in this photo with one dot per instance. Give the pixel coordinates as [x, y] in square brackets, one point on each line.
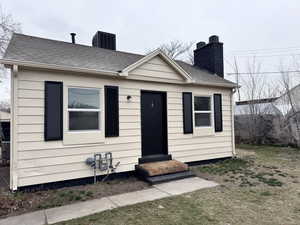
[13, 130]
[232, 123]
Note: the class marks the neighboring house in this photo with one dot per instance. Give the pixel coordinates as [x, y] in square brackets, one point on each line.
[4, 136]
[286, 100]
[264, 106]
[289, 105]
[254, 120]
[281, 105]
[275, 115]
[70, 101]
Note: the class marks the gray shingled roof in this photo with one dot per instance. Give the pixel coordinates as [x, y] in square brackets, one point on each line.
[26, 48]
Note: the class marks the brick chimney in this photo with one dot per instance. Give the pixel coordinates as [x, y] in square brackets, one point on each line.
[210, 56]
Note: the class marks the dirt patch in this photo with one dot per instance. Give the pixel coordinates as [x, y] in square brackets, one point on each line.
[21, 202]
[4, 178]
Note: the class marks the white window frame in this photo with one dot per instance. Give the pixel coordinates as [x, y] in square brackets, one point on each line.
[203, 111]
[99, 110]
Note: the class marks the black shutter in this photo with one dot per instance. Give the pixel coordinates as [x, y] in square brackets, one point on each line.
[218, 112]
[53, 124]
[187, 112]
[111, 111]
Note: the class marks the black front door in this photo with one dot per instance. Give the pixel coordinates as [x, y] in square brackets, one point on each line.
[154, 123]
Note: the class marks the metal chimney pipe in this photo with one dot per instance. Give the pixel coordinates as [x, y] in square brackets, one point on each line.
[73, 37]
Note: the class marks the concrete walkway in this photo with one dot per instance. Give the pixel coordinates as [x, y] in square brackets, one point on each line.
[77, 210]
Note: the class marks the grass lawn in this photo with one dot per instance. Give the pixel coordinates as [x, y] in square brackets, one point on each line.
[261, 186]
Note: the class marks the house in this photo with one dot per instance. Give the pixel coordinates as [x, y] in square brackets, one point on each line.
[70, 101]
[289, 105]
[257, 106]
[254, 120]
[275, 119]
[288, 99]
[4, 137]
[281, 105]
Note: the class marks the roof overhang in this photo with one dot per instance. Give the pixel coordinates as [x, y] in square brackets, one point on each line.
[7, 62]
[123, 73]
[214, 84]
[167, 59]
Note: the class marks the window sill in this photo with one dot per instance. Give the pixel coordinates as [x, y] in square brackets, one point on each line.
[83, 137]
[203, 131]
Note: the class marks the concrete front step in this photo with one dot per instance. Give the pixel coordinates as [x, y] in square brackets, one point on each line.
[169, 177]
[161, 168]
[163, 171]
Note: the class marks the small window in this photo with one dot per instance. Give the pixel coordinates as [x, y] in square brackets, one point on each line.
[202, 111]
[83, 109]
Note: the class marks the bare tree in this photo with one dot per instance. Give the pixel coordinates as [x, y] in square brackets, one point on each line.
[289, 103]
[179, 50]
[253, 87]
[7, 27]
[190, 57]
[237, 80]
[254, 124]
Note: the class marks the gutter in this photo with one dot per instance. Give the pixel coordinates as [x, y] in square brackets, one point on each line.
[56, 67]
[215, 85]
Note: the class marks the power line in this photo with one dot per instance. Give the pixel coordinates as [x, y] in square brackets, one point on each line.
[266, 72]
[264, 56]
[266, 52]
[268, 49]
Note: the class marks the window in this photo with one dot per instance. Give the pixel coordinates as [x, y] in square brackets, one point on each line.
[83, 109]
[202, 111]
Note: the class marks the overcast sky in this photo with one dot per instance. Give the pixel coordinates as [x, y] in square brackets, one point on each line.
[142, 25]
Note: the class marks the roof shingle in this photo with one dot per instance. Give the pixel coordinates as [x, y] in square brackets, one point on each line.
[40, 50]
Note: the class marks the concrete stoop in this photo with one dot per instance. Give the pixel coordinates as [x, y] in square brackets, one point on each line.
[81, 209]
[163, 171]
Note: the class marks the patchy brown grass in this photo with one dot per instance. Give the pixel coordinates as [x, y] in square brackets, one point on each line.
[21, 202]
[260, 187]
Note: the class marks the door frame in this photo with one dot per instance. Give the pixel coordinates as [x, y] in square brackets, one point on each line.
[165, 119]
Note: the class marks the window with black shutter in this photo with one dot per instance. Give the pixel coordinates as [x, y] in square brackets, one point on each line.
[53, 113]
[111, 111]
[187, 112]
[202, 111]
[218, 112]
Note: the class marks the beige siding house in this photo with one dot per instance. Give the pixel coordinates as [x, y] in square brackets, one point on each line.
[89, 121]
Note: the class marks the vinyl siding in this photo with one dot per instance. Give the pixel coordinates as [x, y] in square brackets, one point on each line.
[41, 162]
[156, 69]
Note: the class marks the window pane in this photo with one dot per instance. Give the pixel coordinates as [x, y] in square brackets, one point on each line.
[83, 98]
[202, 119]
[83, 120]
[202, 103]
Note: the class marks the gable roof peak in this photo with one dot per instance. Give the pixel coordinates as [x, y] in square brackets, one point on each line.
[165, 57]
